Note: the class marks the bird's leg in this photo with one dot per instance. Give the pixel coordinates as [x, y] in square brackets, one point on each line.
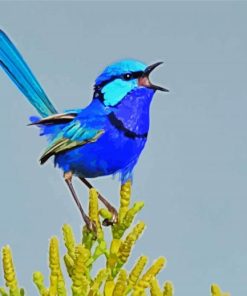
[110, 208]
[89, 223]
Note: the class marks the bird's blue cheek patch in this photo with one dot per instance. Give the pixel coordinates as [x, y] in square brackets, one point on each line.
[116, 90]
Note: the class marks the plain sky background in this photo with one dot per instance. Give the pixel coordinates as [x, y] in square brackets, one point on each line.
[192, 174]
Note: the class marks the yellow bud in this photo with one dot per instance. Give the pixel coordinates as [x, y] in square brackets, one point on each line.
[57, 283]
[69, 240]
[104, 213]
[93, 206]
[80, 271]
[121, 284]
[126, 246]
[125, 193]
[94, 212]
[69, 262]
[97, 282]
[54, 256]
[137, 270]
[53, 285]
[82, 253]
[168, 289]
[38, 279]
[152, 272]
[216, 291]
[130, 215]
[80, 287]
[112, 259]
[9, 271]
[154, 287]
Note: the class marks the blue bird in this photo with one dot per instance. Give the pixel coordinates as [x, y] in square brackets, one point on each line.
[105, 138]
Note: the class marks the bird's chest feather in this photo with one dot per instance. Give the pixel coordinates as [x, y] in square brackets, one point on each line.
[117, 150]
[129, 125]
[133, 111]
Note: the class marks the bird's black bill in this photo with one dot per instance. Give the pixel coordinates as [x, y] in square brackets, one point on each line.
[156, 87]
[150, 68]
[146, 74]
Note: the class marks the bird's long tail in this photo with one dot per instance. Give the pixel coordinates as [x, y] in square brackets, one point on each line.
[14, 65]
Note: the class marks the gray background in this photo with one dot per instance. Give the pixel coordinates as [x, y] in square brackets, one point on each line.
[192, 174]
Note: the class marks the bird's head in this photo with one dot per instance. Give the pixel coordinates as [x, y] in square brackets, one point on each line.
[121, 78]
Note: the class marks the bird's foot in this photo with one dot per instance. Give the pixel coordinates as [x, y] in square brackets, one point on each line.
[114, 219]
[91, 226]
[110, 208]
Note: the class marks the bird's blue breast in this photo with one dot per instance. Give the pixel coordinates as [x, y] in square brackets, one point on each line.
[116, 151]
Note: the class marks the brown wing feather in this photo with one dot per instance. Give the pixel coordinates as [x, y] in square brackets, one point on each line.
[56, 119]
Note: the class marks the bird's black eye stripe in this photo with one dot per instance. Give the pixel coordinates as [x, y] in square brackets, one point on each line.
[132, 75]
[137, 74]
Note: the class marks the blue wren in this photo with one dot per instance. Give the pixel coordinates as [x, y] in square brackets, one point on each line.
[105, 138]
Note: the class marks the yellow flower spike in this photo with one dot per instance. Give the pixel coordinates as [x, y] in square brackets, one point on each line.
[125, 194]
[38, 280]
[118, 230]
[82, 254]
[121, 284]
[216, 291]
[69, 240]
[137, 270]
[112, 259]
[9, 272]
[80, 287]
[130, 215]
[126, 246]
[94, 207]
[61, 289]
[54, 256]
[53, 285]
[97, 282]
[125, 215]
[155, 288]
[168, 289]
[80, 272]
[152, 272]
[57, 284]
[69, 263]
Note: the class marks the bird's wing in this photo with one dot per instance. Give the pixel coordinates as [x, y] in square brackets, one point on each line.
[75, 134]
[53, 119]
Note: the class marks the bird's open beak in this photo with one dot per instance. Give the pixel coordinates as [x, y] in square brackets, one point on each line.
[144, 79]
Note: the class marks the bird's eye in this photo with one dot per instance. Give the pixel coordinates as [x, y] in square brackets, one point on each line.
[127, 76]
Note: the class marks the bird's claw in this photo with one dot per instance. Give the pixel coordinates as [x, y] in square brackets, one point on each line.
[91, 226]
[113, 220]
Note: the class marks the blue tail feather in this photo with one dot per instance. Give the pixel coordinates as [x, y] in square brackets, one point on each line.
[13, 64]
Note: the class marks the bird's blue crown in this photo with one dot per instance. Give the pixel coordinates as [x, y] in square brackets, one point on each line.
[118, 79]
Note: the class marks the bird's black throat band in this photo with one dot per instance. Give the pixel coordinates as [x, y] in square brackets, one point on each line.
[117, 123]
